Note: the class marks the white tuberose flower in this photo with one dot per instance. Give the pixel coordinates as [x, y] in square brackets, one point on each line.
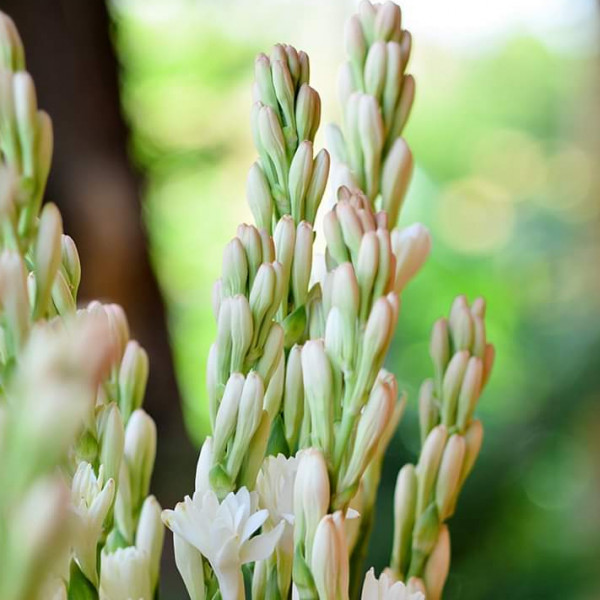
[385, 588]
[125, 575]
[222, 533]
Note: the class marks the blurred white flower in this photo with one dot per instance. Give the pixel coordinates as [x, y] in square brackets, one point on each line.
[386, 588]
[125, 575]
[222, 533]
[91, 498]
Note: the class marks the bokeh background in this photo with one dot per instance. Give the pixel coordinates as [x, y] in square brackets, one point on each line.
[153, 147]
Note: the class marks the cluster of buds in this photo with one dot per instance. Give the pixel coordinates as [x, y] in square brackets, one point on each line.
[376, 96]
[426, 496]
[73, 383]
[287, 179]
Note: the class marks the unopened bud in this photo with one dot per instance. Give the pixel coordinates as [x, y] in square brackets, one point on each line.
[284, 88]
[473, 440]
[299, 178]
[439, 349]
[451, 385]
[429, 412]
[352, 230]
[274, 391]
[336, 246]
[356, 45]
[112, 442]
[293, 403]
[447, 486]
[387, 21]
[273, 142]
[462, 328]
[133, 376]
[227, 415]
[14, 298]
[272, 351]
[395, 177]
[367, 13]
[411, 246]
[11, 48]
[429, 463]
[393, 83]
[366, 270]
[47, 255]
[308, 113]
[404, 106]
[372, 135]
[345, 291]
[405, 505]
[241, 331]
[438, 566]
[119, 327]
[259, 197]
[140, 452]
[375, 69]
[488, 363]
[469, 392]
[235, 269]
[302, 263]
[264, 81]
[150, 535]
[327, 559]
[316, 187]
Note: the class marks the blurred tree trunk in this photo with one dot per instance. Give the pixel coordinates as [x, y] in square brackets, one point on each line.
[70, 56]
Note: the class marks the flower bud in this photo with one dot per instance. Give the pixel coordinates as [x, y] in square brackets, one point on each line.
[352, 231]
[25, 104]
[469, 392]
[241, 331]
[393, 83]
[125, 574]
[140, 452]
[438, 566]
[316, 187]
[252, 241]
[336, 246]
[11, 48]
[235, 268]
[189, 564]
[371, 426]
[150, 535]
[248, 419]
[284, 88]
[395, 177]
[274, 391]
[293, 403]
[387, 21]
[375, 69]
[227, 415]
[411, 246]
[372, 135]
[133, 376]
[119, 328]
[14, 298]
[47, 255]
[300, 175]
[404, 106]
[112, 441]
[272, 350]
[462, 328]
[429, 412]
[318, 390]
[425, 533]
[429, 463]
[302, 263]
[345, 291]
[366, 270]
[355, 43]
[273, 142]
[367, 13]
[308, 113]
[405, 505]
[259, 197]
[327, 559]
[453, 379]
[311, 497]
[473, 440]
[488, 363]
[378, 333]
[447, 486]
[256, 453]
[262, 297]
[339, 339]
[124, 505]
[439, 349]
[264, 81]
[70, 263]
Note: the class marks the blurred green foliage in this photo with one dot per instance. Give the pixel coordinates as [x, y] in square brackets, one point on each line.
[506, 182]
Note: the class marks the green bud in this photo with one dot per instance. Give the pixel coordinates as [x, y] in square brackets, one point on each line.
[299, 178]
[293, 402]
[395, 177]
[263, 297]
[370, 126]
[352, 230]
[336, 246]
[451, 385]
[273, 142]
[150, 535]
[284, 89]
[366, 270]
[469, 392]
[259, 197]
[274, 391]
[393, 81]
[405, 504]
[264, 82]
[227, 415]
[294, 326]
[375, 69]
[403, 107]
[308, 113]
[47, 255]
[241, 331]
[438, 566]
[124, 504]
[318, 390]
[12, 56]
[14, 299]
[272, 351]
[224, 342]
[302, 264]
[447, 486]
[70, 263]
[235, 268]
[462, 328]
[43, 159]
[425, 536]
[255, 455]
[248, 419]
[112, 441]
[293, 62]
[355, 43]
[140, 452]
[429, 463]
[429, 412]
[133, 376]
[367, 13]
[62, 297]
[284, 238]
[316, 187]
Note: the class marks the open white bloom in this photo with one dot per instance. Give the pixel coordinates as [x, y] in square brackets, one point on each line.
[385, 588]
[222, 533]
[91, 498]
[125, 575]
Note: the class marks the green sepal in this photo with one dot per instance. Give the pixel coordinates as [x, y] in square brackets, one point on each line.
[220, 481]
[80, 588]
[277, 443]
[294, 326]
